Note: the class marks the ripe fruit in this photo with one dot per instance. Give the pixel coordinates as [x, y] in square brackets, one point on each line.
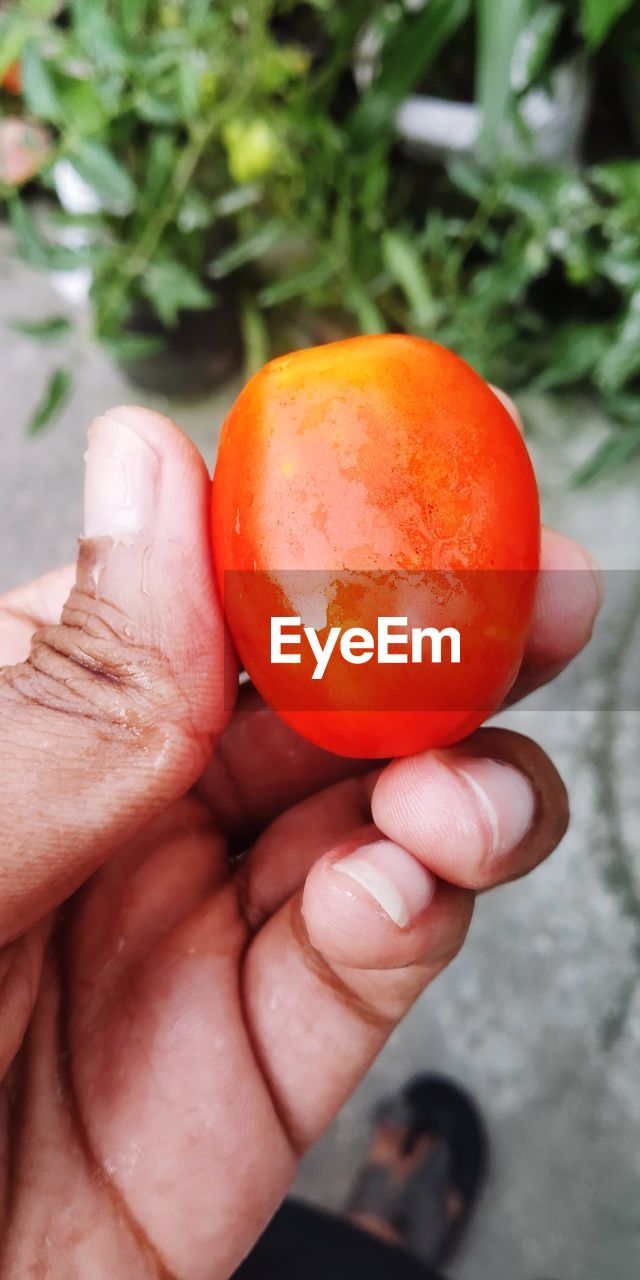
[12, 80]
[376, 476]
[24, 149]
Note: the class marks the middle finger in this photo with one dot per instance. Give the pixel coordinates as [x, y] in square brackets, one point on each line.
[476, 815]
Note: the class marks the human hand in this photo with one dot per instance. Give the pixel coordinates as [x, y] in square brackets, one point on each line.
[176, 1028]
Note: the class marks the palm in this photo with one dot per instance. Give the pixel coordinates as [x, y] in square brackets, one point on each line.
[165, 1077]
[165, 1058]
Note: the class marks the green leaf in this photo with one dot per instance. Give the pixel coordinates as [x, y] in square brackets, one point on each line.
[404, 264]
[38, 87]
[599, 16]
[254, 246]
[468, 177]
[624, 406]
[44, 9]
[366, 311]
[133, 346]
[621, 361]
[159, 165]
[405, 61]
[158, 109]
[171, 287]
[189, 75]
[81, 105]
[499, 25]
[56, 395]
[534, 44]
[609, 457]
[549, 196]
[575, 349]
[295, 286]
[255, 337]
[97, 33]
[236, 199]
[49, 329]
[15, 30]
[196, 211]
[131, 16]
[32, 245]
[105, 175]
[620, 179]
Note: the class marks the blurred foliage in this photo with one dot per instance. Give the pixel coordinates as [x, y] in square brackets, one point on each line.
[235, 157]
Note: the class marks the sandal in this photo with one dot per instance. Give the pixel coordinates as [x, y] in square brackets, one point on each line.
[424, 1170]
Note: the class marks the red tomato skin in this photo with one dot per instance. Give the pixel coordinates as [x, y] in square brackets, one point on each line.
[12, 81]
[375, 453]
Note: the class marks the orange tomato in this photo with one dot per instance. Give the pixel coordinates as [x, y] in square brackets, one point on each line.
[376, 477]
[12, 80]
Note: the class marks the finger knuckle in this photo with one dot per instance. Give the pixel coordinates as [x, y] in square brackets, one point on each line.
[92, 667]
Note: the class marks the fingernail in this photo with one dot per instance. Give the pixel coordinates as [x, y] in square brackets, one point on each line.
[504, 795]
[121, 481]
[399, 884]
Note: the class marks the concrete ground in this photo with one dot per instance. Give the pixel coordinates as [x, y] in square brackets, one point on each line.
[540, 1015]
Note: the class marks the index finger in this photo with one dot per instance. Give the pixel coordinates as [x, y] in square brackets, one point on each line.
[568, 599]
[23, 610]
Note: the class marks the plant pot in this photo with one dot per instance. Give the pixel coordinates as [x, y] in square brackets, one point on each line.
[199, 354]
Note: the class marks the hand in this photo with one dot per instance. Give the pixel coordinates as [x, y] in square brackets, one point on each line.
[176, 1028]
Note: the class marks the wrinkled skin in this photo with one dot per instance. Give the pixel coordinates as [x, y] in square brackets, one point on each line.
[176, 1029]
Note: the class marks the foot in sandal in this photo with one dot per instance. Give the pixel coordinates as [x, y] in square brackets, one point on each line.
[424, 1169]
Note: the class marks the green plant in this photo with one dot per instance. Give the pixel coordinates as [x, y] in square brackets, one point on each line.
[228, 145]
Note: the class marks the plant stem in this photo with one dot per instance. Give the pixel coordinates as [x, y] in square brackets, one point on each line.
[474, 229]
[139, 260]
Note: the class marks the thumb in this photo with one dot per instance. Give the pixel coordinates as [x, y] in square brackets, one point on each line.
[117, 708]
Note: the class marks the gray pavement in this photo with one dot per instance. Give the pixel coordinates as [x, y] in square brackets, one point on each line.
[540, 1015]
